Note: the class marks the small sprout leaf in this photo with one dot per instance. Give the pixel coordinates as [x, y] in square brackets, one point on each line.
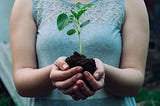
[79, 5]
[74, 14]
[81, 12]
[87, 6]
[71, 32]
[85, 23]
[62, 21]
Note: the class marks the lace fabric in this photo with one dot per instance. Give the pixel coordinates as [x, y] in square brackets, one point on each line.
[103, 11]
[87, 2]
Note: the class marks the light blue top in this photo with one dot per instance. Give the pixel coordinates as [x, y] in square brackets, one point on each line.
[72, 3]
[101, 39]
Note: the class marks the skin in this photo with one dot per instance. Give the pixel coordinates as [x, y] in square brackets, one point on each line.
[79, 90]
[123, 81]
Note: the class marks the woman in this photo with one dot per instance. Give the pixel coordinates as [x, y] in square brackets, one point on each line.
[118, 35]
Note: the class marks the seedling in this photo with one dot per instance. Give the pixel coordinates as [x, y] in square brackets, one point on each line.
[64, 20]
[77, 59]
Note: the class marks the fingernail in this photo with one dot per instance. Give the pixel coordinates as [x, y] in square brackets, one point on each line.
[87, 74]
[65, 66]
[78, 76]
[80, 84]
[79, 68]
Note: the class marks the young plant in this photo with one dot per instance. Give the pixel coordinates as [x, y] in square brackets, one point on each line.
[64, 20]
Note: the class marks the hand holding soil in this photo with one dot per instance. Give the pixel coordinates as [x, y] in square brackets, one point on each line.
[74, 84]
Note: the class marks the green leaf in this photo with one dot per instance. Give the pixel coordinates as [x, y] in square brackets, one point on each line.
[62, 21]
[87, 6]
[74, 14]
[85, 23]
[79, 5]
[80, 13]
[71, 32]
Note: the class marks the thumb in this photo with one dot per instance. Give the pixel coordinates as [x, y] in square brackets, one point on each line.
[64, 66]
[61, 64]
[98, 75]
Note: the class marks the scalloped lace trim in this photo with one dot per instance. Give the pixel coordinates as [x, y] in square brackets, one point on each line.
[103, 11]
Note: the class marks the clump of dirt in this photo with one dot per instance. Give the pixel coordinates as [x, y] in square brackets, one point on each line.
[88, 64]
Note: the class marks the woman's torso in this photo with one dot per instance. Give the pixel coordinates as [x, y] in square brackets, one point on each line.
[101, 39]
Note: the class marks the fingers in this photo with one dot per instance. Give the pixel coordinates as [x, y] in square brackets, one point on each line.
[57, 75]
[78, 93]
[61, 64]
[81, 91]
[62, 85]
[69, 80]
[96, 85]
[64, 80]
[98, 75]
[68, 91]
[83, 87]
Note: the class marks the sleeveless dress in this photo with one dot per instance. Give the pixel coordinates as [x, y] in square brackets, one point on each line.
[100, 39]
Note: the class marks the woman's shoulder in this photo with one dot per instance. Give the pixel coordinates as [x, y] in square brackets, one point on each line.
[134, 1]
[135, 5]
[23, 5]
[22, 8]
[136, 9]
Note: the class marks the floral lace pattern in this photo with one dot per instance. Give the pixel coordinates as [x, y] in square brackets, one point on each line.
[103, 11]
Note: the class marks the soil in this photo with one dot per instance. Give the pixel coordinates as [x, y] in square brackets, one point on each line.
[88, 64]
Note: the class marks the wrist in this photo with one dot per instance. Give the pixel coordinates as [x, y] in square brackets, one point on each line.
[52, 68]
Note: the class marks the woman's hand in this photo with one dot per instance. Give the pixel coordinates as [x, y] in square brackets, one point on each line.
[96, 81]
[70, 81]
[64, 78]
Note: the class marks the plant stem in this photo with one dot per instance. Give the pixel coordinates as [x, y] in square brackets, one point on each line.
[80, 43]
[79, 37]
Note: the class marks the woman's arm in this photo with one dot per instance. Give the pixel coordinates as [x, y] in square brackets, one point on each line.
[29, 81]
[127, 80]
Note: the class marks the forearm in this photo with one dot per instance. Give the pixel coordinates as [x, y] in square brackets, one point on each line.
[33, 82]
[123, 82]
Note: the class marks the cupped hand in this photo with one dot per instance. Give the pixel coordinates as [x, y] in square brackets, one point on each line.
[63, 77]
[96, 81]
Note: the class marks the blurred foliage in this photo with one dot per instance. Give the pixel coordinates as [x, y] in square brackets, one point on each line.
[6, 101]
[147, 97]
[5, 98]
